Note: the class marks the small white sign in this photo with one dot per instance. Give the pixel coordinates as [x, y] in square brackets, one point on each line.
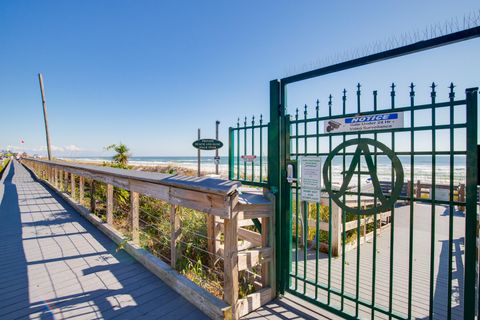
[311, 178]
[441, 194]
[379, 121]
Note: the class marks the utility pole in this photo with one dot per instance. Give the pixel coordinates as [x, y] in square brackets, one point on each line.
[198, 155]
[45, 117]
[217, 159]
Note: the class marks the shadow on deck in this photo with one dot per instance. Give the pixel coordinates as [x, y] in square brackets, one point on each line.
[56, 265]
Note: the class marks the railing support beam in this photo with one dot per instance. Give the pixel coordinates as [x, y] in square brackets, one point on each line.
[174, 235]
[134, 216]
[109, 204]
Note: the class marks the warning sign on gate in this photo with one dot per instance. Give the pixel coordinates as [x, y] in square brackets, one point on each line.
[311, 178]
[381, 121]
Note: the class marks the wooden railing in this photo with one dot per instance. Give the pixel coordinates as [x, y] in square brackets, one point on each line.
[383, 219]
[228, 213]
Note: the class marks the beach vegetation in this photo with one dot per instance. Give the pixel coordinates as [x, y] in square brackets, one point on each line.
[121, 156]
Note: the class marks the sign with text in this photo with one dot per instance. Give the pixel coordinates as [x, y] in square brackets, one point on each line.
[381, 121]
[208, 144]
[249, 158]
[311, 178]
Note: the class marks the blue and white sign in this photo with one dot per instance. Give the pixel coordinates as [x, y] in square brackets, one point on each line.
[381, 121]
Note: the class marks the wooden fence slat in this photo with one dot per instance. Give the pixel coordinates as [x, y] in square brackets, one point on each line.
[81, 189]
[109, 204]
[174, 235]
[231, 263]
[93, 204]
[134, 216]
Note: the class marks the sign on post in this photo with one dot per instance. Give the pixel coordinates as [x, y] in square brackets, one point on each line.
[365, 123]
[248, 158]
[311, 178]
[208, 144]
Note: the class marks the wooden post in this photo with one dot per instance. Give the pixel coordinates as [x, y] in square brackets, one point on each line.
[45, 117]
[174, 235]
[461, 196]
[418, 190]
[60, 180]
[65, 184]
[109, 204]
[81, 189]
[231, 263]
[336, 230]
[72, 185]
[55, 177]
[217, 123]
[198, 156]
[300, 227]
[266, 228]
[92, 197]
[134, 216]
[213, 235]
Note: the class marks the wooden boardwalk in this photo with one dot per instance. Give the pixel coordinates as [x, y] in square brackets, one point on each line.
[420, 273]
[55, 265]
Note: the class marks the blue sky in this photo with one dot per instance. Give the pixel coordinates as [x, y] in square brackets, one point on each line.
[149, 73]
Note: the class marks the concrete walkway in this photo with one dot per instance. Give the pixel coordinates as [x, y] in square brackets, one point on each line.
[55, 265]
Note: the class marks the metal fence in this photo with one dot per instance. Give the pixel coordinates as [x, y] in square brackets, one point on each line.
[248, 156]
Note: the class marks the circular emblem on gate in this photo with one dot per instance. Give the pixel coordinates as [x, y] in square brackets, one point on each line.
[386, 202]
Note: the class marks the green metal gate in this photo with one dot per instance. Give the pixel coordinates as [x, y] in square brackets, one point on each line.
[410, 261]
[393, 234]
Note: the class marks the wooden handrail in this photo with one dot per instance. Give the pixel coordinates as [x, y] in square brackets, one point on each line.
[225, 208]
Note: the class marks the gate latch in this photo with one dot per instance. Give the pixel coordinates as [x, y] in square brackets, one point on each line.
[291, 177]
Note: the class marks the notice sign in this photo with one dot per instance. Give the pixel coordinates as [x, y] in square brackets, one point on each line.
[381, 121]
[311, 178]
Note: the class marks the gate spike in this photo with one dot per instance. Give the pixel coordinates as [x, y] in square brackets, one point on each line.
[317, 106]
[238, 122]
[433, 94]
[330, 101]
[412, 91]
[253, 120]
[392, 93]
[296, 114]
[261, 119]
[451, 95]
[245, 122]
[305, 111]
[344, 97]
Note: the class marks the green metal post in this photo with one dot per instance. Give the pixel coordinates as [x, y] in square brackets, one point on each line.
[274, 174]
[285, 189]
[231, 154]
[471, 210]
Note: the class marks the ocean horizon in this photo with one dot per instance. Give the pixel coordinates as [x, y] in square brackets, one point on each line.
[422, 165]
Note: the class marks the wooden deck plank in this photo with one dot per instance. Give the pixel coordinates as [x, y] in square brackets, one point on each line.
[55, 264]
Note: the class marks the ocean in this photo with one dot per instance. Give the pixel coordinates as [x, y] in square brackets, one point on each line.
[422, 166]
